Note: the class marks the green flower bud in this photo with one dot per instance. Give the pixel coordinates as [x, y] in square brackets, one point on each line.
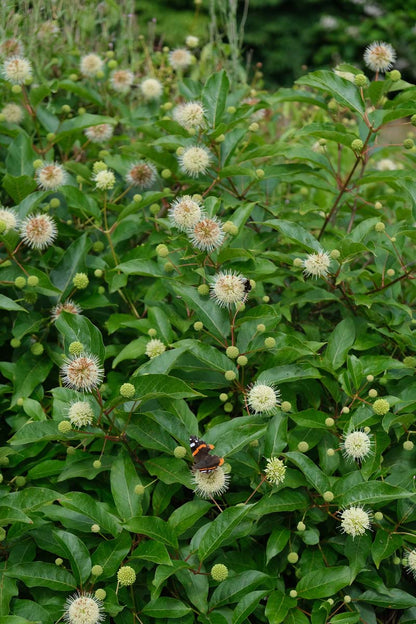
[357, 145]
[372, 393]
[97, 570]
[179, 452]
[220, 138]
[360, 80]
[32, 280]
[20, 282]
[269, 342]
[137, 198]
[408, 445]
[378, 516]
[64, 426]
[230, 228]
[127, 390]
[76, 348]
[126, 576]
[330, 452]
[395, 75]
[37, 348]
[230, 375]
[293, 557]
[162, 251]
[70, 450]
[293, 593]
[16, 89]
[303, 447]
[231, 110]
[20, 481]
[112, 64]
[328, 496]
[242, 360]
[254, 127]
[286, 406]
[301, 526]
[232, 352]
[15, 343]
[80, 281]
[65, 109]
[139, 489]
[228, 407]
[98, 246]
[198, 326]
[219, 572]
[59, 561]
[95, 528]
[261, 328]
[152, 332]
[381, 407]
[408, 144]
[96, 464]
[203, 289]
[329, 422]
[100, 594]
[335, 254]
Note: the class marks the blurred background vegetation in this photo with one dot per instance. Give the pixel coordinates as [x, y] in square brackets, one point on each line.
[288, 37]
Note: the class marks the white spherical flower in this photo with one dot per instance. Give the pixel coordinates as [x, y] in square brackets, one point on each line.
[317, 264]
[91, 64]
[151, 88]
[184, 213]
[210, 484]
[263, 398]
[180, 58]
[51, 176]
[386, 164]
[9, 217]
[228, 288]
[17, 70]
[104, 180]
[81, 414]
[355, 521]
[379, 56]
[12, 113]
[83, 609]
[68, 306]
[82, 373]
[141, 174]
[207, 234]
[191, 41]
[411, 562]
[275, 470]
[195, 161]
[38, 231]
[121, 80]
[99, 133]
[154, 348]
[356, 445]
[190, 115]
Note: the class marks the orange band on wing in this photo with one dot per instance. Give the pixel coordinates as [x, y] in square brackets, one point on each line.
[201, 446]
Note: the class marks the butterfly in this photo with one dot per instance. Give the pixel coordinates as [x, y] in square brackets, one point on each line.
[203, 461]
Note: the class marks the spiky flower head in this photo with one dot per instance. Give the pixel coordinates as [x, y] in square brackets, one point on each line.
[410, 560]
[210, 484]
[91, 64]
[141, 174]
[263, 398]
[185, 213]
[180, 58]
[228, 288]
[207, 234]
[12, 113]
[38, 231]
[356, 445]
[68, 306]
[99, 133]
[190, 115]
[275, 470]
[17, 70]
[317, 264]
[219, 572]
[81, 414]
[355, 521]
[51, 176]
[154, 348]
[83, 609]
[151, 88]
[126, 576]
[104, 180]
[121, 80]
[379, 56]
[195, 161]
[9, 218]
[83, 372]
[191, 41]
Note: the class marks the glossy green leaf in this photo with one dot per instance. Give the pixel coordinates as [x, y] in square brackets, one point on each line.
[323, 582]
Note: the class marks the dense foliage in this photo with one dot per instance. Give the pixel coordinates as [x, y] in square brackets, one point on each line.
[240, 269]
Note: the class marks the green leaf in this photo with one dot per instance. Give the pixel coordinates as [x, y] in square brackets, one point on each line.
[157, 386]
[153, 527]
[233, 588]
[170, 470]
[314, 475]
[342, 90]
[77, 554]
[73, 261]
[82, 503]
[186, 516]
[221, 529]
[18, 187]
[289, 373]
[212, 316]
[141, 266]
[340, 342]
[8, 589]
[80, 122]
[384, 545]
[345, 618]
[391, 599]
[111, 553]
[285, 500]
[8, 304]
[275, 438]
[39, 574]
[214, 97]
[278, 606]
[123, 480]
[85, 93]
[323, 582]
[20, 156]
[276, 542]
[357, 550]
[247, 605]
[372, 492]
[75, 327]
[9, 515]
[152, 551]
[132, 351]
[296, 233]
[35, 431]
[170, 608]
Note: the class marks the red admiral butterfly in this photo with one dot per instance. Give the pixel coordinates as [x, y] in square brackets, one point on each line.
[203, 461]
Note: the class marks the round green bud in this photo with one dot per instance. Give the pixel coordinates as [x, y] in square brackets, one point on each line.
[20, 481]
[408, 445]
[162, 251]
[97, 570]
[242, 360]
[286, 406]
[31, 297]
[293, 593]
[378, 205]
[391, 272]
[367, 429]
[203, 289]
[395, 75]
[82, 110]
[261, 328]
[322, 141]
[370, 378]
[219, 572]
[180, 151]
[98, 246]
[357, 145]
[396, 560]
[154, 208]
[51, 136]
[168, 267]
[98, 166]
[4, 461]
[71, 450]
[360, 80]
[76, 348]
[301, 526]
[381, 407]
[152, 332]
[96, 464]
[103, 154]
[20, 401]
[166, 174]
[101, 594]
[37, 348]
[260, 173]
[137, 198]
[32, 280]
[220, 138]
[303, 446]
[232, 352]
[228, 407]
[110, 54]
[293, 557]
[372, 393]
[101, 290]
[73, 77]
[80, 281]
[328, 496]
[95, 528]
[298, 263]
[139, 489]
[20, 282]
[231, 110]
[112, 64]
[16, 89]
[230, 228]
[126, 576]
[266, 298]
[329, 422]
[378, 516]
[98, 273]
[198, 326]
[254, 127]
[179, 452]
[99, 75]
[15, 343]
[59, 561]
[335, 254]
[127, 390]
[413, 120]
[223, 397]
[269, 342]
[345, 410]
[230, 375]
[408, 144]
[65, 109]
[64, 426]
[330, 601]
[347, 599]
